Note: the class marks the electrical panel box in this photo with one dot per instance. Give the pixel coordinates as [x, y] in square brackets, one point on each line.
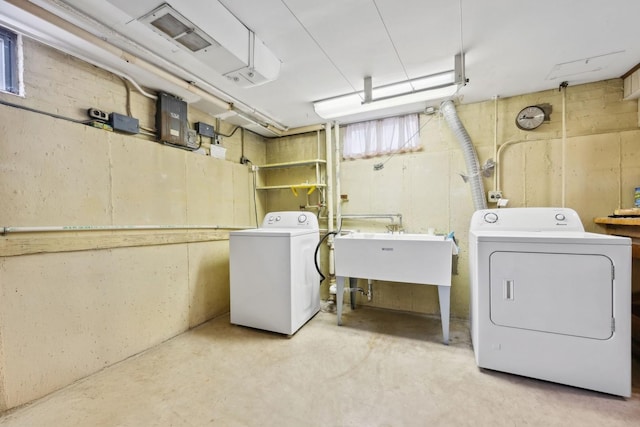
[122, 123]
[171, 120]
[192, 140]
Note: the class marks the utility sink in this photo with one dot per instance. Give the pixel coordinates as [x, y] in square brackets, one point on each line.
[411, 258]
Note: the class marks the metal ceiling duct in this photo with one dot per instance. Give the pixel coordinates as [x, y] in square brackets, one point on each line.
[219, 40]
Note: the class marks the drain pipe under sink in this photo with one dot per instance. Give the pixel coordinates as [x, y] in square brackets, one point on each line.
[448, 110]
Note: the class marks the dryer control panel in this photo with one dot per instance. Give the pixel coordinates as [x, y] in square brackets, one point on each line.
[291, 219]
[526, 219]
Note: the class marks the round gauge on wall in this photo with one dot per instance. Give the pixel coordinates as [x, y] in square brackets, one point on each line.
[529, 118]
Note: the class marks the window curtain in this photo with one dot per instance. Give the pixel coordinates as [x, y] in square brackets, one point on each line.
[380, 137]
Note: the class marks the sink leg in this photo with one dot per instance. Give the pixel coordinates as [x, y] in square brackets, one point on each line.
[444, 295]
[339, 297]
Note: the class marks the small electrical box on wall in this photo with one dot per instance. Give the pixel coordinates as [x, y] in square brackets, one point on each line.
[205, 129]
[123, 123]
[171, 120]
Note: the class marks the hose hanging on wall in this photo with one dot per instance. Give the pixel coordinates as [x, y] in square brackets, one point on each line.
[470, 156]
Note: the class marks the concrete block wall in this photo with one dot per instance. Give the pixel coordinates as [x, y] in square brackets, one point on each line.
[72, 303]
[603, 146]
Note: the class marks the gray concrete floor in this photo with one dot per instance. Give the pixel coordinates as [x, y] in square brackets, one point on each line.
[381, 368]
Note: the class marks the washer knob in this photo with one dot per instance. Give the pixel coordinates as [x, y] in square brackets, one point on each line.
[278, 218]
[302, 219]
[490, 217]
[560, 217]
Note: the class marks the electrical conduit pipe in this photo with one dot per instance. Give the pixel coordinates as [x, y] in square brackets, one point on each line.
[338, 201]
[329, 171]
[336, 159]
[64, 228]
[470, 156]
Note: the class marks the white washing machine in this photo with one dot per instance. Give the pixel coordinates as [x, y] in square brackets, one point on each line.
[274, 282]
[550, 301]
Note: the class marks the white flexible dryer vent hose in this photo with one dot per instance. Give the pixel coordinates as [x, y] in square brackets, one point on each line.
[470, 157]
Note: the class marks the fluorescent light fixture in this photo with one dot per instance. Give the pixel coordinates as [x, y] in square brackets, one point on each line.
[431, 87]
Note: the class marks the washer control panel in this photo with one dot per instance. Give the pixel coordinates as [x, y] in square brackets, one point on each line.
[490, 217]
[526, 219]
[290, 219]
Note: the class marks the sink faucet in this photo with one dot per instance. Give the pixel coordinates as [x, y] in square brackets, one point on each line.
[394, 228]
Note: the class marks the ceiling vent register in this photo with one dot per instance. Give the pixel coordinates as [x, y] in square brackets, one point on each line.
[234, 51]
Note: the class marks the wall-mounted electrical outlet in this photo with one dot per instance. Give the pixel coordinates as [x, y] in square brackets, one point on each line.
[94, 113]
[494, 196]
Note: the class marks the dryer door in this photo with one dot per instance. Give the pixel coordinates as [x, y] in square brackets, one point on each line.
[559, 293]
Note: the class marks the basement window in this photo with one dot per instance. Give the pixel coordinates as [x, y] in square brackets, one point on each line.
[10, 60]
[382, 137]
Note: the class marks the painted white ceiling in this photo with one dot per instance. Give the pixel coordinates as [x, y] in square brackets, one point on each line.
[327, 47]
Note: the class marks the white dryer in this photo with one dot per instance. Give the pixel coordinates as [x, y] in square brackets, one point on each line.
[274, 284]
[550, 301]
